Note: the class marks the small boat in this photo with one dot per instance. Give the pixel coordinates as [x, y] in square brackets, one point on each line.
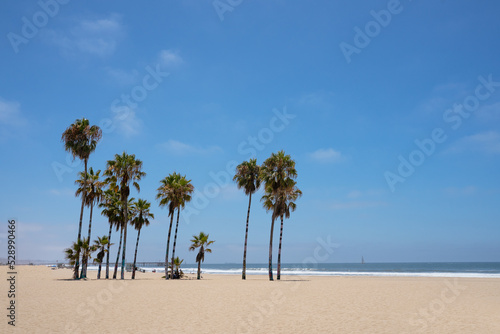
[362, 260]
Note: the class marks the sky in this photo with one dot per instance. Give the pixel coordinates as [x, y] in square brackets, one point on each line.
[390, 109]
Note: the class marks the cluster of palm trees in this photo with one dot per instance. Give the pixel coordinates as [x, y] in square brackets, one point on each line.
[111, 193]
[278, 175]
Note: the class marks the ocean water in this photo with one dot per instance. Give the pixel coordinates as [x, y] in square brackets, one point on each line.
[431, 269]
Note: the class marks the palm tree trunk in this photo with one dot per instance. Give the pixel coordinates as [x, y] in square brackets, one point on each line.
[118, 254]
[107, 255]
[244, 272]
[135, 255]
[271, 252]
[125, 211]
[199, 270]
[279, 251]
[99, 272]
[168, 244]
[85, 262]
[175, 240]
[77, 264]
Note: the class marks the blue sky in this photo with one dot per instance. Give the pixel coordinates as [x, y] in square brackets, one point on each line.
[390, 109]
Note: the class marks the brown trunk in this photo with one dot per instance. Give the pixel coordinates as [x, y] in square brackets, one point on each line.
[279, 251]
[77, 263]
[271, 252]
[168, 244]
[244, 272]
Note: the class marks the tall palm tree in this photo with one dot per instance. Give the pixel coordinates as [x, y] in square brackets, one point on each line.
[120, 226]
[140, 219]
[111, 209]
[80, 139]
[100, 245]
[247, 178]
[121, 172]
[275, 172]
[168, 196]
[281, 203]
[90, 185]
[200, 241]
[183, 189]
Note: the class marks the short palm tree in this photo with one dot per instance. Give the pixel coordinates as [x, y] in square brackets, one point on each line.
[100, 245]
[121, 172]
[247, 178]
[140, 220]
[168, 197]
[80, 139]
[275, 172]
[175, 267]
[79, 248]
[200, 241]
[94, 193]
[281, 202]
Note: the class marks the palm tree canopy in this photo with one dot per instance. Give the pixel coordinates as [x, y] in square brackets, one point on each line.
[248, 176]
[277, 168]
[111, 207]
[80, 139]
[175, 191]
[94, 187]
[282, 201]
[100, 244]
[122, 171]
[141, 214]
[201, 241]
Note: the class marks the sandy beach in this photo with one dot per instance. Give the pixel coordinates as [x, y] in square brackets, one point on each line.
[48, 301]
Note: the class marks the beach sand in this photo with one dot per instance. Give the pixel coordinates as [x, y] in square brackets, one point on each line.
[48, 301]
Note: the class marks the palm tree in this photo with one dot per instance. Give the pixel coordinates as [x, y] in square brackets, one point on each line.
[100, 244]
[274, 173]
[176, 267]
[247, 177]
[111, 209]
[90, 185]
[167, 196]
[122, 171]
[79, 248]
[183, 189]
[120, 226]
[200, 241]
[80, 139]
[281, 203]
[140, 219]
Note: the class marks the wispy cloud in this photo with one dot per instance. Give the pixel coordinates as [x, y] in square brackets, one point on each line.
[464, 191]
[122, 77]
[169, 58]
[179, 148]
[126, 121]
[66, 192]
[485, 142]
[328, 155]
[489, 113]
[96, 37]
[11, 118]
[347, 205]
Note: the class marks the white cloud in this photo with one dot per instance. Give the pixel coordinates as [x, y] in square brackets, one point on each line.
[489, 113]
[179, 148]
[169, 58]
[337, 205]
[62, 192]
[10, 113]
[97, 37]
[486, 142]
[455, 191]
[126, 121]
[328, 155]
[122, 77]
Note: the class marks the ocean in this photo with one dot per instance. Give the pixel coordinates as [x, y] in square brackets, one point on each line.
[431, 269]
